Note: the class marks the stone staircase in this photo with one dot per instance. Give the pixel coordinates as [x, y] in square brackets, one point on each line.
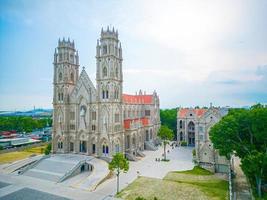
[130, 157]
[140, 153]
[150, 146]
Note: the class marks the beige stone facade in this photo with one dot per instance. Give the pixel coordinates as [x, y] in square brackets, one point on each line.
[99, 120]
[193, 126]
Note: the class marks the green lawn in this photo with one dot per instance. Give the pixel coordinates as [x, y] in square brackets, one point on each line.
[19, 155]
[188, 185]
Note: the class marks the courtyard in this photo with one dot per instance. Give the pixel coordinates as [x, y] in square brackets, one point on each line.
[13, 184]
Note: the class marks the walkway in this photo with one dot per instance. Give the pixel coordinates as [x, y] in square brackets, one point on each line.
[241, 186]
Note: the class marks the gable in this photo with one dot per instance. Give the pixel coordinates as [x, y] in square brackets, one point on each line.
[84, 88]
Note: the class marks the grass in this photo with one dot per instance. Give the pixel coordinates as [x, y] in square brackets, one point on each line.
[196, 171]
[19, 155]
[192, 184]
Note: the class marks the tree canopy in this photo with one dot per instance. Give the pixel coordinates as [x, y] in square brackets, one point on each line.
[165, 133]
[119, 163]
[21, 124]
[168, 118]
[244, 133]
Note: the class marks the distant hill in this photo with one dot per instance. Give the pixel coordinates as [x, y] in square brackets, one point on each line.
[31, 113]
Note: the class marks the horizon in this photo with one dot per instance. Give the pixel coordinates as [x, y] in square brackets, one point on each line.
[192, 53]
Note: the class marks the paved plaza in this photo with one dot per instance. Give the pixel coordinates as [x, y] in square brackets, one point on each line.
[13, 186]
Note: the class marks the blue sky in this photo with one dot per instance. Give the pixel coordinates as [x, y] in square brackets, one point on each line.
[190, 52]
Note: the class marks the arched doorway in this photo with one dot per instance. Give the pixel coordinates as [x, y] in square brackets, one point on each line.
[83, 148]
[191, 134]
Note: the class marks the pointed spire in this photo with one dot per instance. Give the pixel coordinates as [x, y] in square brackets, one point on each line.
[108, 29]
[68, 39]
[97, 42]
[101, 30]
[55, 50]
[113, 29]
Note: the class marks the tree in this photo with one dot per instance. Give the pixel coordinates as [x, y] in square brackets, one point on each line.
[165, 134]
[119, 163]
[168, 118]
[244, 133]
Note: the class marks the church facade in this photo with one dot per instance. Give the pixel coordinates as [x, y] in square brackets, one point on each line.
[193, 126]
[99, 120]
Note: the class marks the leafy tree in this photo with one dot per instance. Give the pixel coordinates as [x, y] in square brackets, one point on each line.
[244, 133]
[168, 118]
[119, 163]
[165, 134]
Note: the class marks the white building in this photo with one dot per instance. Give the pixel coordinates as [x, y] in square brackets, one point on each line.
[193, 126]
[100, 120]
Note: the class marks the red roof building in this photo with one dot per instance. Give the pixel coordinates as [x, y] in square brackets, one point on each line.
[137, 99]
[182, 113]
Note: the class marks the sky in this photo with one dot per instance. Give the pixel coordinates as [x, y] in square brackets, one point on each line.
[191, 52]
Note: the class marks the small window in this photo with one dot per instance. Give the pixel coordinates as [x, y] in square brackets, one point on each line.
[147, 112]
[191, 114]
[103, 94]
[72, 115]
[105, 49]
[94, 115]
[72, 126]
[60, 76]
[107, 94]
[105, 72]
[117, 118]
[71, 77]
[117, 72]
[93, 127]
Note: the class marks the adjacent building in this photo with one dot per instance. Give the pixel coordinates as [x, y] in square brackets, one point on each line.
[100, 120]
[193, 126]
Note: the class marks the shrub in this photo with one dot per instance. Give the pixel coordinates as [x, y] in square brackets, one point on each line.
[1, 147]
[183, 143]
[140, 198]
[48, 149]
[194, 152]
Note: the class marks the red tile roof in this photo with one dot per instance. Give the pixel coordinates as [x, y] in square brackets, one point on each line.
[127, 122]
[198, 112]
[137, 99]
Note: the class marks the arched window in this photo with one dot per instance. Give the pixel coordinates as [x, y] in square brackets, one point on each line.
[105, 72]
[103, 94]
[116, 72]
[107, 94]
[105, 49]
[181, 124]
[60, 76]
[71, 77]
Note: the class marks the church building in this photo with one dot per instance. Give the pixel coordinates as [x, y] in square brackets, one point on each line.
[100, 120]
[193, 126]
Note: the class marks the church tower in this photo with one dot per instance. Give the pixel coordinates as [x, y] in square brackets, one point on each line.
[66, 72]
[109, 80]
